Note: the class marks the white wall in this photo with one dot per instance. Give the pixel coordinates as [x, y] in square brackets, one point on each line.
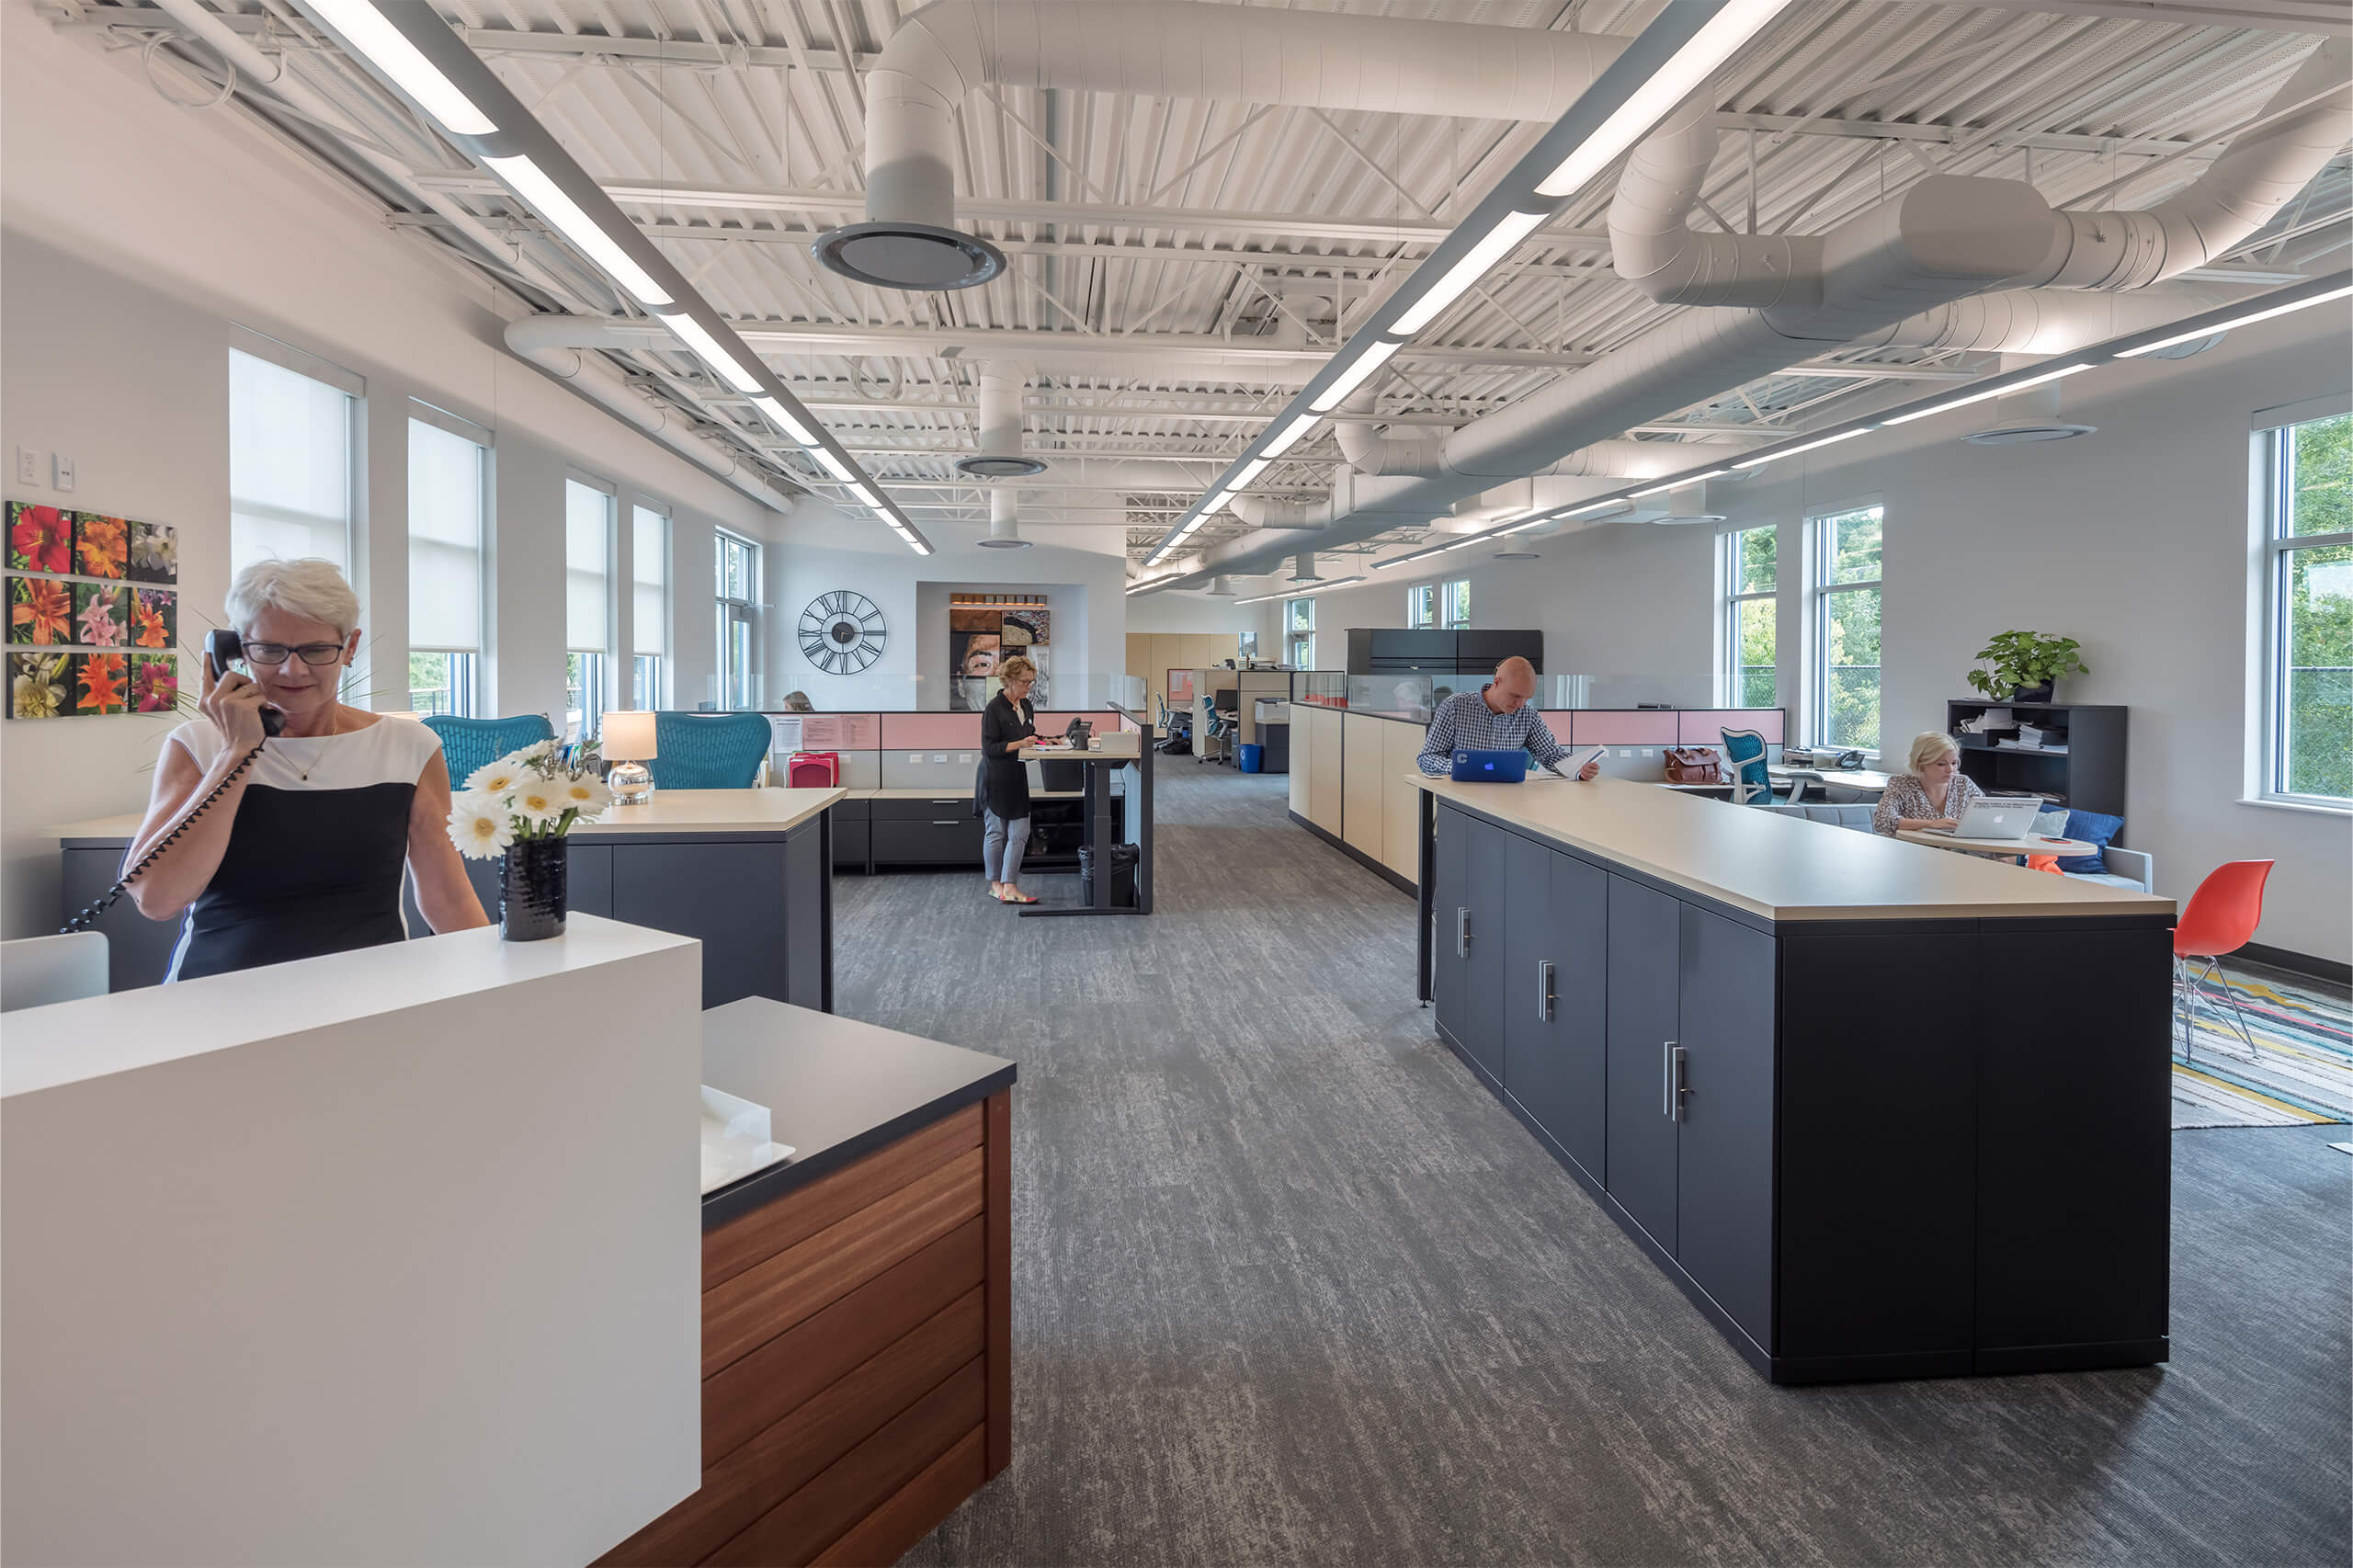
[1194, 612]
[2134, 541]
[128, 249]
[822, 550]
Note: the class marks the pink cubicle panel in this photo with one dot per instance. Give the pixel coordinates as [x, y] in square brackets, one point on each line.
[1705, 727]
[841, 732]
[930, 732]
[1619, 727]
[1054, 721]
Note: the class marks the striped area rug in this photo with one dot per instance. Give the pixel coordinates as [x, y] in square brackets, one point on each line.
[2302, 1074]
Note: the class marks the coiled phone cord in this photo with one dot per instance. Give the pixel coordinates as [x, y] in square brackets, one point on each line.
[104, 901]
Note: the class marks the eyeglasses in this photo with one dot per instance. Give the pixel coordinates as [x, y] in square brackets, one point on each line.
[310, 653]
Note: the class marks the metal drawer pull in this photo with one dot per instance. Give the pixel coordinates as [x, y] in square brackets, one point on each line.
[1676, 1089]
[1544, 991]
[951, 821]
[1462, 933]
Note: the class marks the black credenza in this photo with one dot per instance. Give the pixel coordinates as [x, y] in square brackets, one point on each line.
[1388, 651]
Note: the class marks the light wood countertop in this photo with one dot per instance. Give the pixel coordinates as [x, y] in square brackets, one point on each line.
[1781, 867]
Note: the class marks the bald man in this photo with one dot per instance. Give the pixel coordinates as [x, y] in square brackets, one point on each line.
[1496, 716]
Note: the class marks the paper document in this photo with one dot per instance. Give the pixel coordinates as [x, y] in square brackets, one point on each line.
[1572, 765]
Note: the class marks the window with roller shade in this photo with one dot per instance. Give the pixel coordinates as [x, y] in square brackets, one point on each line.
[449, 488]
[649, 565]
[2307, 588]
[1846, 593]
[587, 604]
[290, 461]
[1751, 600]
[736, 566]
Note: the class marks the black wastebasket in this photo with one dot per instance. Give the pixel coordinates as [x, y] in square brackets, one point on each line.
[1123, 875]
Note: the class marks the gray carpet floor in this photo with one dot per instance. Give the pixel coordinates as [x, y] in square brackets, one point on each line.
[1292, 1288]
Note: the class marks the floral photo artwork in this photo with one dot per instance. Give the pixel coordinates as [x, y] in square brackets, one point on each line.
[40, 538]
[101, 615]
[154, 618]
[40, 610]
[39, 685]
[154, 553]
[101, 545]
[154, 683]
[101, 683]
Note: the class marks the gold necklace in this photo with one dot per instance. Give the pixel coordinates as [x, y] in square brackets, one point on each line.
[335, 726]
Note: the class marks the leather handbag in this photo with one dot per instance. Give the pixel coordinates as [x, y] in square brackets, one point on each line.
[1694, 765]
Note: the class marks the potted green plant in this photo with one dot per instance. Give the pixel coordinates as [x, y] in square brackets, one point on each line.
[2026, 667]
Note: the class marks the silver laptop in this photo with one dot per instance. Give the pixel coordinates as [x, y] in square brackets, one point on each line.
[1995, 817]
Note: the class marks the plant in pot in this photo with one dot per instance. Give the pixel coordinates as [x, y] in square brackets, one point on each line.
[522, 807]
[2027, 665]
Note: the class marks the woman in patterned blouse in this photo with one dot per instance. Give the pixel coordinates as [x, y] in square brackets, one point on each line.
[1933, 794]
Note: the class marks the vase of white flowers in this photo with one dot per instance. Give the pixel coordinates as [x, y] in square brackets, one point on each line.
[522, 807]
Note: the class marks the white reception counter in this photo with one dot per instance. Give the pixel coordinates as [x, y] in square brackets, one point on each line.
[390, 1256]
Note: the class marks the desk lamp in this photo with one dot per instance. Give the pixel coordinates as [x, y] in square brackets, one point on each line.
[629, 746]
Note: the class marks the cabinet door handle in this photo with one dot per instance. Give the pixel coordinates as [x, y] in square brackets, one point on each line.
[1675, 1064]
[951, 821]
[1462, 933]
[1544, 991]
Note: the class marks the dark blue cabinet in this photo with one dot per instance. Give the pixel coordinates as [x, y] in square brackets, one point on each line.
[1451, 913]
[1723, 1183]
[1555, 997]
[1482, 934]
[1644, 1009]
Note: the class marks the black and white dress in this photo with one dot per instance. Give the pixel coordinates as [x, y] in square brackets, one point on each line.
[316, 852]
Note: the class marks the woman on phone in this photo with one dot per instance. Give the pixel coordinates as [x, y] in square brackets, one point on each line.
[1007, 725]
[302, 852]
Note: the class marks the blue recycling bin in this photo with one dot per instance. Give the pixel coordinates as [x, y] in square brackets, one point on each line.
[1254, 758]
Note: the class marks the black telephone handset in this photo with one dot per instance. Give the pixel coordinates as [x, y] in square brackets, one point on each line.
[220, 648]
[223, 648]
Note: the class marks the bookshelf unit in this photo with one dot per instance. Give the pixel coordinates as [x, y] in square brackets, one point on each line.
[2089, 775]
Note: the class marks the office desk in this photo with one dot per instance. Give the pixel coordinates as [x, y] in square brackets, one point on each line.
[1862, 781]
[2001, 848]
[1693, 1010]
[857, 1367]
[1109, 754]
[748, 872]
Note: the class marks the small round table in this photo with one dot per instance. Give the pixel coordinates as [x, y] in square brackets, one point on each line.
[2001, 848]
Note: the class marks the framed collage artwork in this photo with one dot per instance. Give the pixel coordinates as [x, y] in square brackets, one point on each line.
[92, 614]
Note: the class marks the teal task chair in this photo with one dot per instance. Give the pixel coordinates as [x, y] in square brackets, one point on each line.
[708, 751]
[468, 744]
[1746, 751]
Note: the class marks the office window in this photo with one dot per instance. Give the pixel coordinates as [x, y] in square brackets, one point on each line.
[289, 465]
[2308, 593]
[1299, 629]
[447, 499]
[1454, 604]
[649, 568]
[1750, 605]
[1421, 605]
[738, 571]
[1845, 628]
[588, 604]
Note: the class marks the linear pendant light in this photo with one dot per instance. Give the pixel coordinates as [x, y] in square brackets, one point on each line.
[1942, 404]
[1375, 355]
[707, 348]
[2209, 329]
[365, 29]
[531, 182]
[1501, 241]
[1299, 593]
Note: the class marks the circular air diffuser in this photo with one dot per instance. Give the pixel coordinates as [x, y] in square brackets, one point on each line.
[996, 543]
[2020, 435]
[908, 256]
[1000, 465]
[1516, 552]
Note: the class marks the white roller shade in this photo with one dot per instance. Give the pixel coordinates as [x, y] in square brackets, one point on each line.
[289, 465]
[650, 573]
[445, 505]
[588, 565]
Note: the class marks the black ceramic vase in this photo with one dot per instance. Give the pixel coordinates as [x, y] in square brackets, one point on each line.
[531, 887]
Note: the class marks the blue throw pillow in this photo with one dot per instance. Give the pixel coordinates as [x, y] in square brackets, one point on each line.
[2092, 828]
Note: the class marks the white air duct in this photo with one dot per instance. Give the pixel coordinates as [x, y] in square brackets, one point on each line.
[1001, 455]
[1155, 49]
[1304, 568]
[1005, 521]
[1220, 588]
[2030, 414]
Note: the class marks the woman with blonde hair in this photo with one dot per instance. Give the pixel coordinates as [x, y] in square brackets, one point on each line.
[1932, 792]
[1007, 725]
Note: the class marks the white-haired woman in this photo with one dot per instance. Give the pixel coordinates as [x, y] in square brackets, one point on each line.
[1931, 792]
[302, 852]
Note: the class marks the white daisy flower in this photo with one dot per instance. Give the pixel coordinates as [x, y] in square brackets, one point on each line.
[533, 753]
[479, 826]
[585, 794]
[496, 777]
[539, 799]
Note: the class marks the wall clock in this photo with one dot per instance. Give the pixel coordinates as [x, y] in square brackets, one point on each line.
[842, 632]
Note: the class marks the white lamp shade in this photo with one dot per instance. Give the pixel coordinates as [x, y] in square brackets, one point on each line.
[629, 736]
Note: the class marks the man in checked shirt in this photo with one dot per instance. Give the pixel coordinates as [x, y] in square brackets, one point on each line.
[1496, 716]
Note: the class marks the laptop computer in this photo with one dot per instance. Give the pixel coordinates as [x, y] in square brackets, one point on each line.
[1491, 767]
[1997, 817]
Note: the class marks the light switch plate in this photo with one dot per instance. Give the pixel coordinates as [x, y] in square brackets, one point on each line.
[963, 756]
[939, 756]
[914, 756]
[27, 466]
[63, 470]
[1647, 751]
[1625, 751]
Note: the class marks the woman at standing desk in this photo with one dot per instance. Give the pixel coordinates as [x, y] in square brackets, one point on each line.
[1007, 725]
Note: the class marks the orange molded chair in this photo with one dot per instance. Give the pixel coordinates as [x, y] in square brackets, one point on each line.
[2219, 918]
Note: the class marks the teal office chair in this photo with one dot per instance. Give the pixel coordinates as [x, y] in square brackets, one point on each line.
[468, 744]
[1746, 750]
[708, 751]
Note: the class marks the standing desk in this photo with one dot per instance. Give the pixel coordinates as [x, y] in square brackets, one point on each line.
[1102, 828]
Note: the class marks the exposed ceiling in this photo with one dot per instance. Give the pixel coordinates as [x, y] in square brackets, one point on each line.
[1176, 268]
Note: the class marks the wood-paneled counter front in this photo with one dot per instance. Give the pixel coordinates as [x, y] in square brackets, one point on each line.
[857, 1300]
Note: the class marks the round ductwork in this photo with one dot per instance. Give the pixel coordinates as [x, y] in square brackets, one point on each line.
[921, 257]
[1302, 569]
[1220, 588]
[1000, 456]
[2020, 435]
[1005, 522]
[2032, 414]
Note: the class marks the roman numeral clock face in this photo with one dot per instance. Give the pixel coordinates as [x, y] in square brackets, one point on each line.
[842, 632]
